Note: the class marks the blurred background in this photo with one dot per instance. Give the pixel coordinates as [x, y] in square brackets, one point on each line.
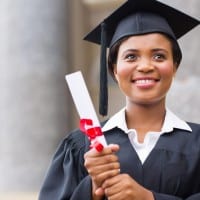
[40, 42]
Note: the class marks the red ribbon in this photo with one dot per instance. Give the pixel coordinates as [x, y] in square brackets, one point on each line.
[86, 126]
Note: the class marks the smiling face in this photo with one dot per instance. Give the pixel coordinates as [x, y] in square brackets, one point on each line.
[145, 68]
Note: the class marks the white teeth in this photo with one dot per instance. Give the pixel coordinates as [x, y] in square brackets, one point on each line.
[144, 81]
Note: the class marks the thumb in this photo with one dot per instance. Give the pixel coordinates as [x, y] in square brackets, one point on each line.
[99, 191]
[114, 147]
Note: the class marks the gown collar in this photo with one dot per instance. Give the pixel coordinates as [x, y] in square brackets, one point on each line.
[171, 121]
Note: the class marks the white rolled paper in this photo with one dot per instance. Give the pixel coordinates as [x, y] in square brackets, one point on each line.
[82, 100]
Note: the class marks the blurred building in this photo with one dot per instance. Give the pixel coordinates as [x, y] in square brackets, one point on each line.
[41, 41]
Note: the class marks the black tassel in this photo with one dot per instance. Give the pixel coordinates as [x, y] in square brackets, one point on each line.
[103, 96]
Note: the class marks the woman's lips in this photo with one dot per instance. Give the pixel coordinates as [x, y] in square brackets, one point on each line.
[145, 83]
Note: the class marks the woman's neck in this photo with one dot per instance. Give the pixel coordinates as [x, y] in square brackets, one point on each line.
[145, 118]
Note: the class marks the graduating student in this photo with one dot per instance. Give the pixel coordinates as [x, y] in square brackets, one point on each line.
[151, 153]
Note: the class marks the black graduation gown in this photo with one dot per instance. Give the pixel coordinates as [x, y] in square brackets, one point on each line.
[171, 171]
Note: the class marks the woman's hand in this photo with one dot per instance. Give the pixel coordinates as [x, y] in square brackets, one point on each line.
[102, 165]
[122, 187]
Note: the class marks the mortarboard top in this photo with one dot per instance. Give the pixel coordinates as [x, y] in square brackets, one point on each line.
[136, 17]
[179, 22]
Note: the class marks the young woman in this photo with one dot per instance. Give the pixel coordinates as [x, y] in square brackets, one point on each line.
[152, 154]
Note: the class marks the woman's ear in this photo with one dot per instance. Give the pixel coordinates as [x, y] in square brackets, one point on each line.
[115, 72]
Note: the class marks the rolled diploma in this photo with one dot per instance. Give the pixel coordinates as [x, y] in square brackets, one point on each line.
[83, 101]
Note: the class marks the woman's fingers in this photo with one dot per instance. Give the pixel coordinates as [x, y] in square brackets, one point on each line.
[102, 165]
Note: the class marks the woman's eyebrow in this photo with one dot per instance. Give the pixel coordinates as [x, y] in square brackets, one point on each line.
[160, 49]
[130, 50]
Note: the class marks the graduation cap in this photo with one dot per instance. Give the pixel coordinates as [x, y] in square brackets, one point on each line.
[136, 17]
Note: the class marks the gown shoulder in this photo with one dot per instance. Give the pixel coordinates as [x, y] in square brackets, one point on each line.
[66, 169]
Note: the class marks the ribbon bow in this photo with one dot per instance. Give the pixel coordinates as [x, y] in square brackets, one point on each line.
[86, 126]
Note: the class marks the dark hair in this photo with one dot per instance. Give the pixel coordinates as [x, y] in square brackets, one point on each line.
[113, 53]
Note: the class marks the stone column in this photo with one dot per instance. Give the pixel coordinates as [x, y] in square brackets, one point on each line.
[33, 100]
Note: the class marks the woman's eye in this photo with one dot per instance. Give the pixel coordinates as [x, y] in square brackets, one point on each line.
[131, 57]
[159, 57]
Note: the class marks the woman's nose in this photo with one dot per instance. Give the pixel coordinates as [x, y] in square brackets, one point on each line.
[145, 66]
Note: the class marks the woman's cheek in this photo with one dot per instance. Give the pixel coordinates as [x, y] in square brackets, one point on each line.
[123, 69]
[167, 70]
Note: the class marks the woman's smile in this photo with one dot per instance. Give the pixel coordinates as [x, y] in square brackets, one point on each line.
[145, 82]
